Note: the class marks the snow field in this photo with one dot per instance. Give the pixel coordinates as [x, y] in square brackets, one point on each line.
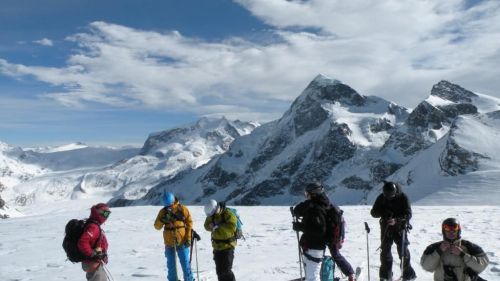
[30, 246]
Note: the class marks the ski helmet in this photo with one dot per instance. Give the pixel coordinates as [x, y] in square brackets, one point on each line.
[210, 207]
[168, 199]
[451, 224]
[315, 188]
[390, 189]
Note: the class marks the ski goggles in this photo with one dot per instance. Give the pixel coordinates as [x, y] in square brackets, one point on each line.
[451, 227]
[105, 213]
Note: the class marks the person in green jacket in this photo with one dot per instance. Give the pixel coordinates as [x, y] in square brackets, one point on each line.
[222, 224]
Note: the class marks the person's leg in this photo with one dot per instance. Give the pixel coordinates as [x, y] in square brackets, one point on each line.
[98, 275]
[312, 267]
[385, 272]
[183, 253]
[340, 261]
[224, 264]
[408, 272]
[171, 272]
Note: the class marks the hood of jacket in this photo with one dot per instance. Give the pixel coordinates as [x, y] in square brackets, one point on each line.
[95, 213]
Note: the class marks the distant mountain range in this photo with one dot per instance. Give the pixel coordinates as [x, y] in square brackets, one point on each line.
[442, 151]
[76, 170]
[351, 143]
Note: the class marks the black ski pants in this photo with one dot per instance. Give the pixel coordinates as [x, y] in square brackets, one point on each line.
[340, 261]
[390, 236]
[224, 264]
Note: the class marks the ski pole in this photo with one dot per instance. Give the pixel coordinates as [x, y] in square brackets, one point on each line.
[403, 253]
[194, 236]
[191, 248]
[196, 253]
[107, 272]
[175, 253]
[298, 242]
[194, 239]
[367, 228]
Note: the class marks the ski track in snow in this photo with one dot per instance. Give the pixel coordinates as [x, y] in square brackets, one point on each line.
[30, 247]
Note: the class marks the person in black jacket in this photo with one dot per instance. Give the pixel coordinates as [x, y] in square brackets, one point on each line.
[313, 225]
[394, 210]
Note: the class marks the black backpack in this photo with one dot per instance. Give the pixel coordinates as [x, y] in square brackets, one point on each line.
[334, 225]
[73, 230]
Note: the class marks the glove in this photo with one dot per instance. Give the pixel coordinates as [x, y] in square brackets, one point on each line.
[187, 243]
[196, 236]
[298, 226]
[164, 220]
[98, 255]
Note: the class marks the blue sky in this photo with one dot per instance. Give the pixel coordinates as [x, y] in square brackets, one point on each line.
[111, 72]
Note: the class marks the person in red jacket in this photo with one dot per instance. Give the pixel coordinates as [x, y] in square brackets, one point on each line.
[93, 243]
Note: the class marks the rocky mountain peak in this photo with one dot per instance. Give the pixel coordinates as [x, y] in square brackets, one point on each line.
[324, 89]
[452, 92]
[307, 110]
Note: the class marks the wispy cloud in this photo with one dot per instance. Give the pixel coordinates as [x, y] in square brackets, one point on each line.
[45, 42]
[394, 49]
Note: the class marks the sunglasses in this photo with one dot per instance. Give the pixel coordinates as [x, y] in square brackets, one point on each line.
[453, 227]
[105, 213]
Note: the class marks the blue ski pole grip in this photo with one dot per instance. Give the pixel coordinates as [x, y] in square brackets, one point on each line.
[367, 228]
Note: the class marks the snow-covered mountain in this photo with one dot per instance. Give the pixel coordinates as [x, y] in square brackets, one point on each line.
[440, 151]
[31, 174]
[77, 171]
[167, 153]
[350, 142]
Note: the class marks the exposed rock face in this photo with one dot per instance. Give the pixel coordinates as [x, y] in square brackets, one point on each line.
[426, 117]
[163, 137]
[407, 144]
[381, 125]
[354, 182]
[219, 177]
[452, 92]
[381, 170]
[456, 160]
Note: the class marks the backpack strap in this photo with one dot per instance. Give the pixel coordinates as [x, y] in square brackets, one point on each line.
[311, 258]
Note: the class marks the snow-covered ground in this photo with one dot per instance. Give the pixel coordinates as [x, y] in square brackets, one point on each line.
[30, 246]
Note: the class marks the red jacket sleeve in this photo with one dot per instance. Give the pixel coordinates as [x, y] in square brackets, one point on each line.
[88, 239]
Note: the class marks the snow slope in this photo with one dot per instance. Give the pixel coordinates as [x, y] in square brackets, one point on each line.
[30, 246]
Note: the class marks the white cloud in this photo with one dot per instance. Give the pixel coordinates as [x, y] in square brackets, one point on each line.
[45, 42]
[393, 49]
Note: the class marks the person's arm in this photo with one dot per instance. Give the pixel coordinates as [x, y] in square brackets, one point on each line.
[300, 209]
[431, 257]
[89, 236]
[208, 223]
[158, 224]
[378, 207]
[476, 258]
[407, 210]
[188, 223]
[228, 227]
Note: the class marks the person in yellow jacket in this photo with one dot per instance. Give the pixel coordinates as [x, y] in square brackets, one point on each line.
[177, 225]
[222, 224]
